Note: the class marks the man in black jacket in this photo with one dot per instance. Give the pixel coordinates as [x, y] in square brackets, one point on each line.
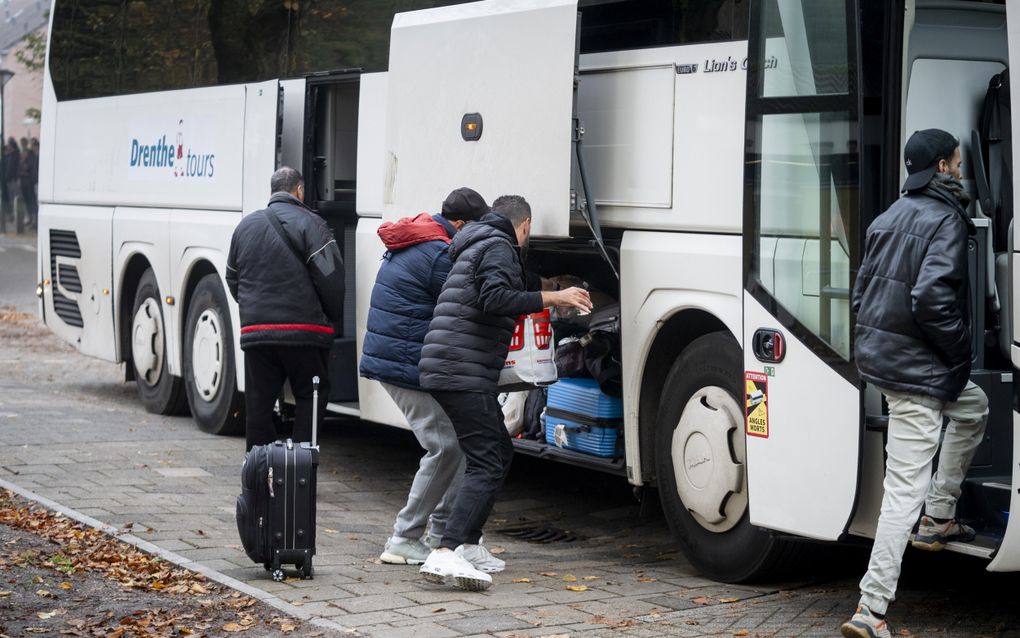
[464, 351]
[287, 275]
[913, 342]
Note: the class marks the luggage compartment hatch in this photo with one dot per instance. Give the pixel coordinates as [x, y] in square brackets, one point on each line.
[513, 65]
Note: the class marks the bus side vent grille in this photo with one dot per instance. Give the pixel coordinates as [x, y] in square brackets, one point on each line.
[64, 243]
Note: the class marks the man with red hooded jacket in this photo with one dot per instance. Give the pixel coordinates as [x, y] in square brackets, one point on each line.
[407, 286]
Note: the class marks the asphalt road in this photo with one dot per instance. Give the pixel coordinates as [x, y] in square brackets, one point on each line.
[18, 259]
[74, 432]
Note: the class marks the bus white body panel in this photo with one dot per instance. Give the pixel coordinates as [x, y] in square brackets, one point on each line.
[511, 62]
[261, 106]
[170, 149]
[371, 146]
[665, 274]
[77, 264]
[656, 157]
[823, 445]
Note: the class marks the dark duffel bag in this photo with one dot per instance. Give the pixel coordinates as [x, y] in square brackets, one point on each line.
[276, 508]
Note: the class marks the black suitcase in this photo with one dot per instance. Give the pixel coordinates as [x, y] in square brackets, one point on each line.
[276, 508]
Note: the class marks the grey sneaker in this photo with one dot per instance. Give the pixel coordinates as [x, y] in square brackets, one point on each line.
[865, 625]
[932, 536]
[481, 558]
[410, 552]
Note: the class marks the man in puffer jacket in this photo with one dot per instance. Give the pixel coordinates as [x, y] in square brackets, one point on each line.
[464, 351]
[286, 273]
[913, 342]
[407, 286]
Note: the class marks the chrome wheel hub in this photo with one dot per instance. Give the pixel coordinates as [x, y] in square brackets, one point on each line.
[147, 341]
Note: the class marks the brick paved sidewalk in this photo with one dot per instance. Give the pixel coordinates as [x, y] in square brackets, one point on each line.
[73, 432]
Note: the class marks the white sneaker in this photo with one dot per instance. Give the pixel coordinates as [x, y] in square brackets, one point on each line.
[443, 565]
[481, 558]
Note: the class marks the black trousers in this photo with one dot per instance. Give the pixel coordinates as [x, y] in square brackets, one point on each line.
[478, 421]
[265, 370]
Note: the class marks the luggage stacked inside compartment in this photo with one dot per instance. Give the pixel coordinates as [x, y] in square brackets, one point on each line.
[581, 417]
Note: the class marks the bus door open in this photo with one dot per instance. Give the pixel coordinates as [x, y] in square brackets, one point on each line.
[331, 122]
[802, 397]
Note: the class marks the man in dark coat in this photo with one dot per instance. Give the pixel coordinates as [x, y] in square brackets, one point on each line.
[913, 342]
[412, 274]
[464, 351]
[286, 273]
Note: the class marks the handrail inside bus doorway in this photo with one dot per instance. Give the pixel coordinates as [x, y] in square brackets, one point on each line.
[589, 211]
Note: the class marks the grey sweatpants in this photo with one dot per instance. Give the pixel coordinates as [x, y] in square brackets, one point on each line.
[915, 423]
[440, 471]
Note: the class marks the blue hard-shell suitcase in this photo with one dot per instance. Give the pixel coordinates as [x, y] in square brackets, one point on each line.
[580, 417]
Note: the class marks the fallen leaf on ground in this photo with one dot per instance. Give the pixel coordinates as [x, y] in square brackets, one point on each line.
[66, 585]
[728, 600]
[521, 580]
[701, 600]
[742, 632]
[591, 578]
[549, 574]
[5, 594]
[44, 593]
[497, 550]
[46, 615]
[647, 580]
[438, 610]
[570, 579]
[198, 589]
[577, 587]
[233, 627]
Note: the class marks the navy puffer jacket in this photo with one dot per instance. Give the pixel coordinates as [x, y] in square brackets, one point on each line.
[486, 291]
[406, 289]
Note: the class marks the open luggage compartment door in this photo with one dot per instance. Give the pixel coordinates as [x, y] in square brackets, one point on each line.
[510, 66]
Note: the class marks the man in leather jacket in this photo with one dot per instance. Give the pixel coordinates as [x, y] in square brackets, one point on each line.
[913, 342]
[286, 273]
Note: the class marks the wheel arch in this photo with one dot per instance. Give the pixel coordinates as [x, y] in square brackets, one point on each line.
[675, 333]
[131, 275]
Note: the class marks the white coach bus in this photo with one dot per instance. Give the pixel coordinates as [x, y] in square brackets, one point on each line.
[734, 153]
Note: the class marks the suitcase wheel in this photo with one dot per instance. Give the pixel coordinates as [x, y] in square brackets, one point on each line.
[278, 575]
[307, 571]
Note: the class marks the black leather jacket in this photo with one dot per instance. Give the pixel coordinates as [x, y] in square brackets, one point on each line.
[283, 301]
[913, 329]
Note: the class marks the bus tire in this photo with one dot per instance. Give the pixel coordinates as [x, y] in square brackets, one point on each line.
[701, 425]
[160, 391]
[210, 370]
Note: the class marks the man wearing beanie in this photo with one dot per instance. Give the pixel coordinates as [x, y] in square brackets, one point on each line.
[410, 278]
[913, 342]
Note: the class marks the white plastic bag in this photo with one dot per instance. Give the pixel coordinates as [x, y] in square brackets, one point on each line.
[513, 411]
[530, 361]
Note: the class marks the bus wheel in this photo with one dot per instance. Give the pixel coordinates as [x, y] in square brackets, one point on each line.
[210, 372]
[161, 392]
[700, 464]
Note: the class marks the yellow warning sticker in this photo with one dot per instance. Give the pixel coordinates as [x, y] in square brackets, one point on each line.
[756, 402]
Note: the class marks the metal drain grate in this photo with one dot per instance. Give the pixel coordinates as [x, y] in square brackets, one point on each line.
[540, 534]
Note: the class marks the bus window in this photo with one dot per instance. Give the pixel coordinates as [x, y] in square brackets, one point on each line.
[637, 24]
[801, 60]
[803, 170]
[105, 48]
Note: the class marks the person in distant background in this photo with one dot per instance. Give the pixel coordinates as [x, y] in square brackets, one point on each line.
[28, 176]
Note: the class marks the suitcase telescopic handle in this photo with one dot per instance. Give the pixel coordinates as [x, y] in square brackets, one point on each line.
[315, 411]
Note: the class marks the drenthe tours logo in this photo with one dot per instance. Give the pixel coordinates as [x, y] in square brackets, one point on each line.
[174, 158]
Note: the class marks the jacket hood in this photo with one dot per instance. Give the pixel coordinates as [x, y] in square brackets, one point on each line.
[492, 225]
[410, 231]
